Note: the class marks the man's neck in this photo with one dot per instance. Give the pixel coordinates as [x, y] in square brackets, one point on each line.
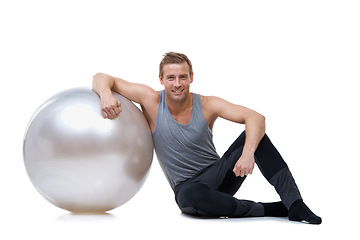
[180, 107]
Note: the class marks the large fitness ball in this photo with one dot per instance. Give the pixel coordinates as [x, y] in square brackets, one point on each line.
[81, 162]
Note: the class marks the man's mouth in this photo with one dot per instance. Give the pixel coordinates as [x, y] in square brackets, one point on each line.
[178, 91]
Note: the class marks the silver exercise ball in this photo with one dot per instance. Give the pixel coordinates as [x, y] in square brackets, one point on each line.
[81, 162]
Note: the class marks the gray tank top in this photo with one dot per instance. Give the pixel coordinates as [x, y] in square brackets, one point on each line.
[183, 150]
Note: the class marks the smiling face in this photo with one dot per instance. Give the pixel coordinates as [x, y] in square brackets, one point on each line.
[176, 80]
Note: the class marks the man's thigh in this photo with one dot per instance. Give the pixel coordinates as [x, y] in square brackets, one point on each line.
[220, 176]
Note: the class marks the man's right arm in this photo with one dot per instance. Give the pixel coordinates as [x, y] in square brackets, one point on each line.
[104, 84]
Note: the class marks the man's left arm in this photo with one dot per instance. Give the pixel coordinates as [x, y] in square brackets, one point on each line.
[254, 128]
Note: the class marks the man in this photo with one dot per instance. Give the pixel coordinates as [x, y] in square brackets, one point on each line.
[181, 123]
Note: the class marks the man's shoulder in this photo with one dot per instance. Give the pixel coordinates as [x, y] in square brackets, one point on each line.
[212, 104]
[153, 97]
[205, 100]
[150, 99]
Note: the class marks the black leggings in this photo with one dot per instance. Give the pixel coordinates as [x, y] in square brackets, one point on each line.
[210, 192]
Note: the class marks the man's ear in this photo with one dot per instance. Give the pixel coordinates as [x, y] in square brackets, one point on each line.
[161, 80]
[192, 77]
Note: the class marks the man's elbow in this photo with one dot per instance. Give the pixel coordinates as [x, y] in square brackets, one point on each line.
[258, 117]
[263, 122]
[262, 118]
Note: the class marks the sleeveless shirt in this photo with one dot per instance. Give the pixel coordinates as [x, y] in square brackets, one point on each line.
[183, 150]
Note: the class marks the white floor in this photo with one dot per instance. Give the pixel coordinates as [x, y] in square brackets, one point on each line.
[296, 62]
[153, 213]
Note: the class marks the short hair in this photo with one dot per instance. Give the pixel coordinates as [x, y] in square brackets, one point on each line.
[174, 57]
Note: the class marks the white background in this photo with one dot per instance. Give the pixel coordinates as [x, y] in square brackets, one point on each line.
[296, 62]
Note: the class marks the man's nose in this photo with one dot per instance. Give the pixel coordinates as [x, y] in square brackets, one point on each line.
[177, 82]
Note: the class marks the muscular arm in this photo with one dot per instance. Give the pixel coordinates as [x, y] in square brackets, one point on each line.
[254, 127]
[104, 84]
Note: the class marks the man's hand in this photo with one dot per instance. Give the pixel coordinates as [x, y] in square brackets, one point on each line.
[245, 165]
[110, 107]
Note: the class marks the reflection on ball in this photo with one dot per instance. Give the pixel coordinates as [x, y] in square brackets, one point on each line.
[80, 161]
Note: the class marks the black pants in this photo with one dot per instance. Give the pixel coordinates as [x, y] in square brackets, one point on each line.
[210, 192]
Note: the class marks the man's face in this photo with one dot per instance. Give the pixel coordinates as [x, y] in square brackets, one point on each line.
[176, 80]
